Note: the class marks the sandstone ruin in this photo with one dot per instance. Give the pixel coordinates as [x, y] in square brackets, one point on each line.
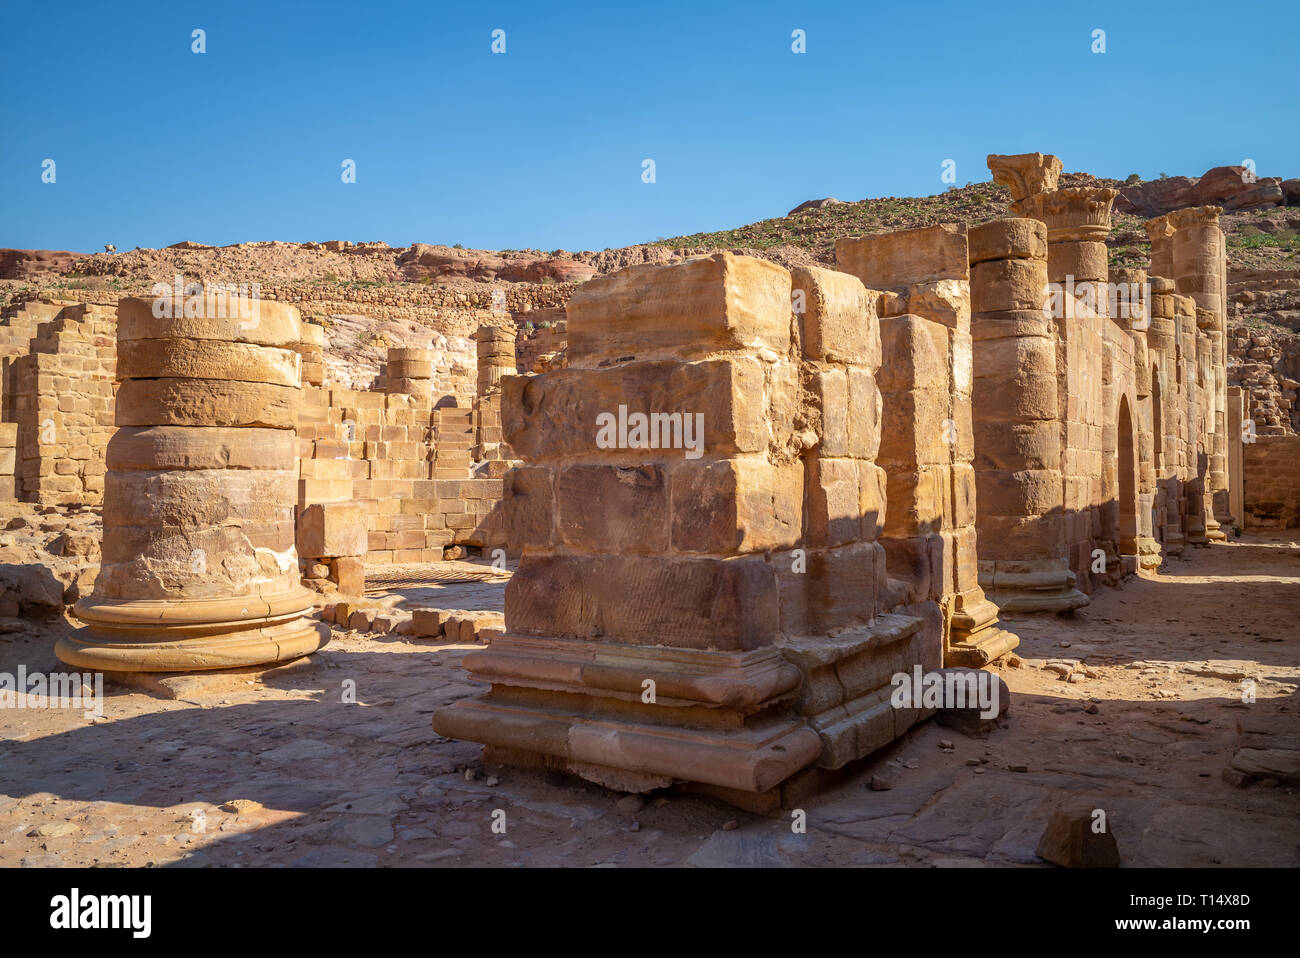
[741, 497]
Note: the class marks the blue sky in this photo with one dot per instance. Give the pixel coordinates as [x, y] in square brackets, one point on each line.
[542, 146]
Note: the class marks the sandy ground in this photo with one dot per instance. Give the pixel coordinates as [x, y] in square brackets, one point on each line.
[319, 781]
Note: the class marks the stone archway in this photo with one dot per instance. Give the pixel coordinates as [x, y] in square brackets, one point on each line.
[1126, 451]
[1159, 504]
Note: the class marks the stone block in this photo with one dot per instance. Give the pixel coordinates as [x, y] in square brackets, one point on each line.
[905, 257]
[735, 506]
[332, 529]
[838, 323]
[687, 309]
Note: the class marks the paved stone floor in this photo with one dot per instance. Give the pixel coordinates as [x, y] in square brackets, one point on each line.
[307, 778]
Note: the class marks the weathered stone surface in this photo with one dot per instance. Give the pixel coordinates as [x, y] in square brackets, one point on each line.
[207, 359]
[717, 604]
[205, 402]
[1007, 239]
[1071, 841]
[838, 323]
[332, 529]
[735, 506]
[904, 257]
[685, 308]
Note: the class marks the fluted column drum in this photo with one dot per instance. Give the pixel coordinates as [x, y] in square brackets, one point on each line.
[200, 570]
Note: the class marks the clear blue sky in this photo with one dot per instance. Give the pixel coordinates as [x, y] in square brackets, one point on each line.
[542, 146]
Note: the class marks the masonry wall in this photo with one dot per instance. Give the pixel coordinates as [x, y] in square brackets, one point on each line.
[1272, 486]
[58, 393]
[403, 451]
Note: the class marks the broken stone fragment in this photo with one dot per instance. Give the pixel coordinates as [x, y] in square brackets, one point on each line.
[1071, 841]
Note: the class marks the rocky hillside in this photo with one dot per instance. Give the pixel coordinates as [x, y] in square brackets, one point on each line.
[371, 295]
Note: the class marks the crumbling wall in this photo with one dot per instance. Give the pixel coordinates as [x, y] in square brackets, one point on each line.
[1266, 363]
[712, 607]
[60, 395]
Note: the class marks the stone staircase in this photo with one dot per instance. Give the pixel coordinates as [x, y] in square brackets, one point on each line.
[453, 431]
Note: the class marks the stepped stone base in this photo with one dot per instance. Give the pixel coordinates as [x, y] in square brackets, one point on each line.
[846, 687]
[719, 718]
[182, 636]
[1031, 587]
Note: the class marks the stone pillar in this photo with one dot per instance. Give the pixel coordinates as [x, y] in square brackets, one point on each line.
[1129, 289]
[1236, 454]
[199, 565]
[1160, 232]
[312, 350]
[1199, 411]
[1168, 401]
[410, 372]
[927, 444]
[1078, 222]
[496, 360]
[496, 356]
[1191, 422]
[1023, 565]
[1198, 264]
[643, 619]
[705, 608]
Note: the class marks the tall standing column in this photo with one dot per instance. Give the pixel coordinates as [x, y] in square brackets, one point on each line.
[1167, 402]
[1078, 222]
[1236, 453]
[928, 442]
[1023, 565]
[1198, 263]
[200, 570]
[1129, 287]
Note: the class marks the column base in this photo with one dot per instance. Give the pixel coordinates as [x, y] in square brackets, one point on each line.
[162, 635]
[1031, 586]
[1149, 557]
[717, 718]
[973, 639]
[845, 695]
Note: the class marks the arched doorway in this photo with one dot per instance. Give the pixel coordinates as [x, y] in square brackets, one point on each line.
[1159, 505]
[1127, 476]
[1157, 423]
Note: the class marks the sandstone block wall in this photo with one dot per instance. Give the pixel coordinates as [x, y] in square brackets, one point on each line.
[927, 443]
[740, 574]
[1272, 484]
[59, 392]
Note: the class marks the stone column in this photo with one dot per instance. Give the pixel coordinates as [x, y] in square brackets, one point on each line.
[927, 445]
[1236, 454]
[1198, 263]
[1023, 565]
[496, 356]
[1168, 399]
[1160, 232]
[410, 372]
[199, 565]
[496, 360]
[312, 350]
[1190, 422]
[1078, 222]
[1129, 296]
